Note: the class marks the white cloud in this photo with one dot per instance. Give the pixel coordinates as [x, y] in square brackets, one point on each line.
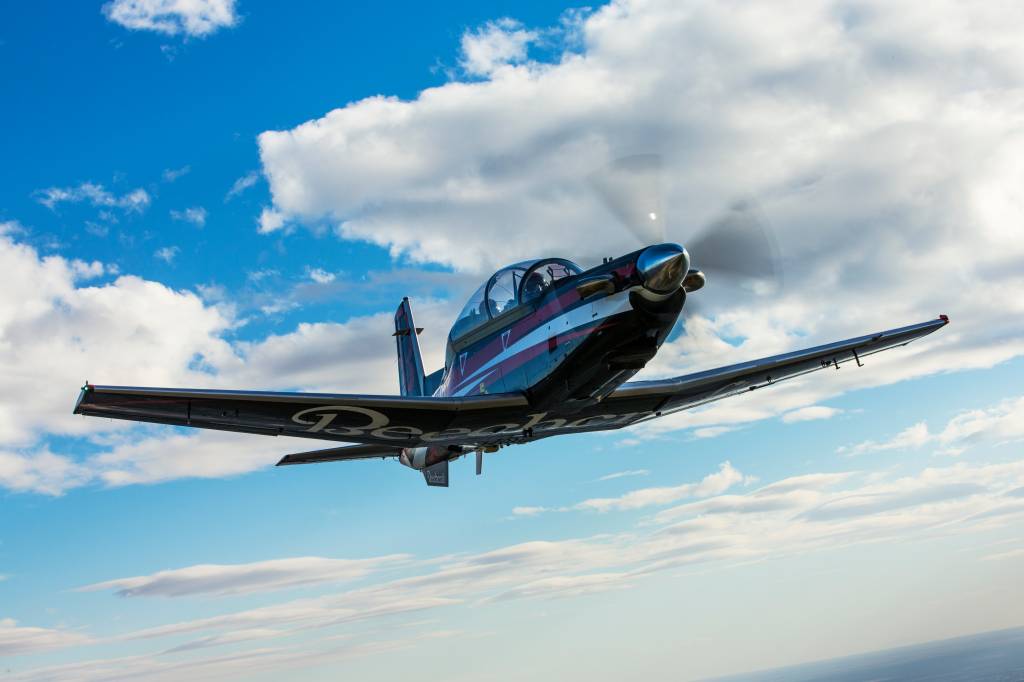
[167, 253]
[195, 18]
[40, 471]
[228, 638]
[271, 221]
[11, 227]
[997, 424]
[321, 276]
[260, 576]
[712, 431]
[494, 45]
[67, 332]
[16, 640]
[623, 474]
[567, 586]
[83, 270]
[529, 511]
[810, 413]
[195, 215]
[135, 201]
[1011, 554]
[241, 184]
[135, 458]
[712, 484]
[172, 174]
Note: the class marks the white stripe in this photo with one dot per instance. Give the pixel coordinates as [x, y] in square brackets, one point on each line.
[570, 321]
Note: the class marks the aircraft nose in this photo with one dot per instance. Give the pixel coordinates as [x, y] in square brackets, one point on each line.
[662, 267]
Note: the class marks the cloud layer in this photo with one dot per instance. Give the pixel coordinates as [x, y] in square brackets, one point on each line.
[810, 512]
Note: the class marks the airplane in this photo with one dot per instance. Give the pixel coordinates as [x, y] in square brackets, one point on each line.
[543, 348]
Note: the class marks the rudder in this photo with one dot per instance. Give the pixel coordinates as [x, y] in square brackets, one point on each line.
[411, 377]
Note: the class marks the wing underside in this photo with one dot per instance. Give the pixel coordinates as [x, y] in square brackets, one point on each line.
[411, 421]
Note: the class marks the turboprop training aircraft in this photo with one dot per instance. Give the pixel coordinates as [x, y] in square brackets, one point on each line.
[542, 348]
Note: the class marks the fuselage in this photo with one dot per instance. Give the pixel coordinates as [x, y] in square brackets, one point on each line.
[559, 335]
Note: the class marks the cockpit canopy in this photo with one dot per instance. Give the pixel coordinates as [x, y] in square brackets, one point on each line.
[510, 287]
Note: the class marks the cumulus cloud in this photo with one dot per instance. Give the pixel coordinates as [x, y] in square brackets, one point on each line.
[167, 253]
[15, 639]
[999, 423]
[67, 330]
[193, 18]
[271, 220]
[195, 215]
[260, 576]
[166, 454]
[878, 174]
[135, 201]
[493, 45]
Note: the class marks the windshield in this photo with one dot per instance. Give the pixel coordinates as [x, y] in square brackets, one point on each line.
[473, 314]
[501, 294]
[507, 288]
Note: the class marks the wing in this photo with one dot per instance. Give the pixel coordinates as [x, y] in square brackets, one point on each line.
[671, 395]
[413, 421]
[394, 421]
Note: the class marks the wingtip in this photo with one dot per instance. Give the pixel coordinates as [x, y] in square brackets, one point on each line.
[944, 318]
[87, 388]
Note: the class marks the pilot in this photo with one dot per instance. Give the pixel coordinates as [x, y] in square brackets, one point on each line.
[533, 286]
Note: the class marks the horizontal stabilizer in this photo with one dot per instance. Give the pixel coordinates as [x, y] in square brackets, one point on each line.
[436, 475]
[340, 454]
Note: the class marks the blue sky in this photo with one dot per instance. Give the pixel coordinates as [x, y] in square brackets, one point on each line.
[239, 197]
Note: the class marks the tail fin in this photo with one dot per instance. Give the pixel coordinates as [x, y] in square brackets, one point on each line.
[411, 378]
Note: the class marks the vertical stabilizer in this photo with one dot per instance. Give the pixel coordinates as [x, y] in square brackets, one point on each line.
[411, 377]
